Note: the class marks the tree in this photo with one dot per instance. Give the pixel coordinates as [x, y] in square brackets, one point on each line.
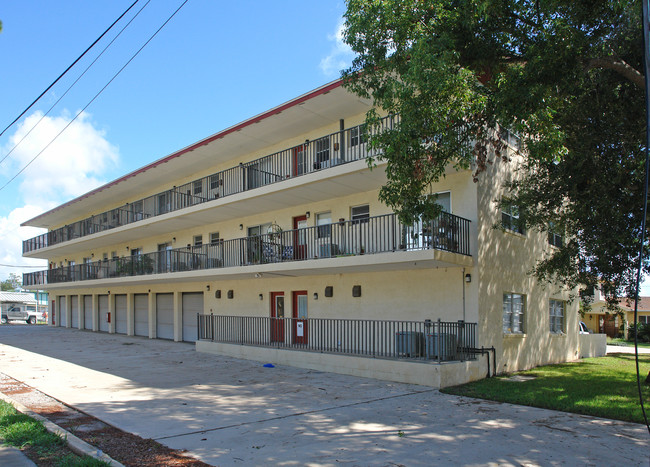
[563, 74]
[11, 284]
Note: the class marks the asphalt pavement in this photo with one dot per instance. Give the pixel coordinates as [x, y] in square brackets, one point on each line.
[227, 411]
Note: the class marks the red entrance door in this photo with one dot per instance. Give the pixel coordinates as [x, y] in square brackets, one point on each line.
[300, 237]
[277, 316]
[299, 160]
[300, 317]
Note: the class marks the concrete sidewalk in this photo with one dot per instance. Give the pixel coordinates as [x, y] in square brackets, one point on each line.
[226, 411]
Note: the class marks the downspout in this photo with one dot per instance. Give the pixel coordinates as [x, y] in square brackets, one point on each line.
[463, 279]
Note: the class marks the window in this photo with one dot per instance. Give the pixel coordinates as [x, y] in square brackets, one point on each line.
[554, 238]
[358, 135]
[514, 307]
[644, 319]
[324, 223]
[136, 251]
[360, 213]
[444, 200]
[509, 137]
[198, 240]
[511, 221]
[214, 182]
[198, 187]
[323, 149]
[214, 238]
[556, 316]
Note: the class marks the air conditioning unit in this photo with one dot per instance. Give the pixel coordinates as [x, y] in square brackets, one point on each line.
[443, 345]
[409, 343]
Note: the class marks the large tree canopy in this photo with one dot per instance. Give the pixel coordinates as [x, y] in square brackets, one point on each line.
[565, 75]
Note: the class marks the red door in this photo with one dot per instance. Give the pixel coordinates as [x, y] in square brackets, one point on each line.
[299, 322]
[299, 161]
[300, 237]
[277, 316]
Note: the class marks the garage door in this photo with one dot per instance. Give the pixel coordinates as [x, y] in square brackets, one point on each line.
[165, 316]
[192, 304]
[141, 309]
[62, 312]
[74, 309]
[120, 314]
[88, 312]
[103, 313]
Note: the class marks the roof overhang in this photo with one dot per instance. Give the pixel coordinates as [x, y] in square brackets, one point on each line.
[315, 109]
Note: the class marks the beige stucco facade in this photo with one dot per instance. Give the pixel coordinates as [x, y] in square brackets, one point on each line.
[408, 281]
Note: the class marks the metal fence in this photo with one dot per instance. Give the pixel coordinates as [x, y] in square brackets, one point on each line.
[324, 152]
[372, 235]
[415, 340]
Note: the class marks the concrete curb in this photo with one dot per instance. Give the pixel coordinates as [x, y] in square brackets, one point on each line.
[77, 445]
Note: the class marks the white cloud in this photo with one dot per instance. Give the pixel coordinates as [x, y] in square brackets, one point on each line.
[340, 56]
[72, 165]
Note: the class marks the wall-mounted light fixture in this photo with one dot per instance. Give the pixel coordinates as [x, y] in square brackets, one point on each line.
[308, 214]
[258, 275]
[261, 296]
[173, 239]
[315, 295]
[306, 142]
[329, 291]
[468, 278]
[241, 226]
[92, 255]
[127, 248]
[208, 287]
[231, 294]
[217, 293]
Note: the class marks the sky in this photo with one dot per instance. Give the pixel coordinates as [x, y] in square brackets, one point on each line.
[213, 65]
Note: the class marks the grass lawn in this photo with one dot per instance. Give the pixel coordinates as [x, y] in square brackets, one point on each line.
[602, 387]
[41, 446]
[624, 343]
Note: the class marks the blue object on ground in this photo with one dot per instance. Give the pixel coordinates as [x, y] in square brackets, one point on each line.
[269, 365]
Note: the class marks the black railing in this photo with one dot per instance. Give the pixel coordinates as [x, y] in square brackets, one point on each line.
[328, 151]
[379, 234]
[415, 340]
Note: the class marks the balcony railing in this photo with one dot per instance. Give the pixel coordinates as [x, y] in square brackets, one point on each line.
[327, 151]
[414, 340]
[379, 234]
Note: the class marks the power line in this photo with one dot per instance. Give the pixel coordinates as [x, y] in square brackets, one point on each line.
[75, 82]
[18, 266]
[67, 69]
[95, 97]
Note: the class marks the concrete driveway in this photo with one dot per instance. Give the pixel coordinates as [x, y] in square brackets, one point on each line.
[226, 411]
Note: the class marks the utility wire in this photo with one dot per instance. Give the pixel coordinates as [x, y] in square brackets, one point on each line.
[74, 83]
[19, 266]
[67, 69]
[96, 96]
[646, 63]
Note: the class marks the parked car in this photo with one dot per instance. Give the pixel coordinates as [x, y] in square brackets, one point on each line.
[25, 313]
[583, 328]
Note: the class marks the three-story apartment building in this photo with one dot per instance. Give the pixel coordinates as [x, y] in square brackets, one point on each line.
[267, 241]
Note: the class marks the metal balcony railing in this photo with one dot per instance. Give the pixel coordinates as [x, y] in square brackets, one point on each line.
[324, 152]
[414, 340]
[379, 234]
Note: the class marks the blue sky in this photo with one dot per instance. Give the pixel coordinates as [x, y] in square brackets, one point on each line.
[213, 65]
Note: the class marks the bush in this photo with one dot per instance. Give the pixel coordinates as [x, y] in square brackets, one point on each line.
[643, 332]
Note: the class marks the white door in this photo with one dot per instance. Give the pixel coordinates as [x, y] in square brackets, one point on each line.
[103, 313]
[165, 316]
[88, 312]
[120, 314]
[74, 308]
[141, 312]
[62, 312]
[192, 304]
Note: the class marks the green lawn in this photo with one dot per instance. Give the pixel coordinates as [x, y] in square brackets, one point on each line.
[624, 343]
[43, 447]
[602, 387]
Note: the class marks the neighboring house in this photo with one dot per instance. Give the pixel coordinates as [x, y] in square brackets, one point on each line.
[24, 304]
[601, 320]
[268, 241]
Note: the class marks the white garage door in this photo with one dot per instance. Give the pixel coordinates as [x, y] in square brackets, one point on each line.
[141, 309]
[165, 316]
[103, 313]
[88, 312]
[61, 315]
[74, 308]
[192, 304]
[120, 314]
